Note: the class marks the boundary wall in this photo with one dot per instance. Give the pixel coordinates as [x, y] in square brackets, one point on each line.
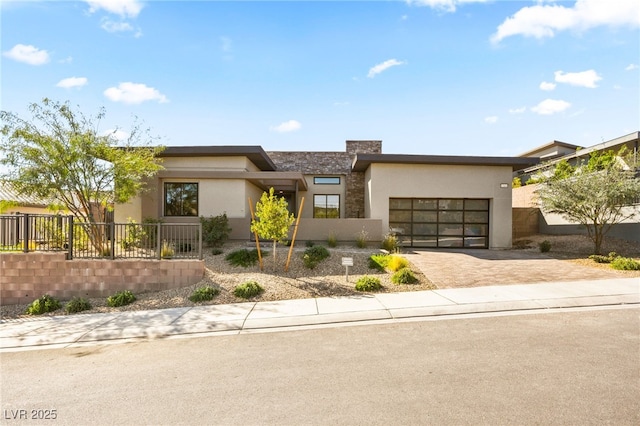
[26, 276]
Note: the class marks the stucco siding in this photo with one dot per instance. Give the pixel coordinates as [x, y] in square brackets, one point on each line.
[208, 163]
[384, 181]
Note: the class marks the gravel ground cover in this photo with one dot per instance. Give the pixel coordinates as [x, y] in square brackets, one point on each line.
[327, 279]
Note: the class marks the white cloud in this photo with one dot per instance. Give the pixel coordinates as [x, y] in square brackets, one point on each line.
[550, 106]
[631, 67]
[118, 134]
[28, 54]
[517, 110]
[134, 93]
[545, 85]
[587, 78]
[442, 5]
[287, 126]
[68, 83]
[545, 20]
[115, 27]
[123, 8]
[66, 60]
[491, 120]
[377, 69]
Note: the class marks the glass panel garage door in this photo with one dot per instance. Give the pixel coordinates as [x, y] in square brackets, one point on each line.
[440, 222]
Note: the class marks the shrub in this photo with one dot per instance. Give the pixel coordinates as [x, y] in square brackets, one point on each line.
[216, 251]
[314, 255]
[604, 259]
[332, 240]
[309, 243]
[545, 246]
[390, 243]
[43, 305]
[361, 239]
[215, 229]
[121, 298]
[204, 293]
[404, 276]
[395, 263]
[625, 264]
[243, 257]
[248, 290]
[166, 252]
[378, 261]
[77, 304]
[368, 283]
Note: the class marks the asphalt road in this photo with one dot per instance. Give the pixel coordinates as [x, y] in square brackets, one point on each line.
[578, 367]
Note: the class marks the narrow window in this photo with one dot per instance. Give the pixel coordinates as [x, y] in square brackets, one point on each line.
[180, 199]
[326, 180]
[326, 206]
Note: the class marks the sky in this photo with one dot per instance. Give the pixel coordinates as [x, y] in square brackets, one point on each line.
[434, 77]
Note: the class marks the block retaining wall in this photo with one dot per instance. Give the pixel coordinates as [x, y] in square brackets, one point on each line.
[27, 276]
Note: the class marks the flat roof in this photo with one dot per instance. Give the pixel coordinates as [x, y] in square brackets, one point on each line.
[363, 161]
[254, 153]
[550, 145]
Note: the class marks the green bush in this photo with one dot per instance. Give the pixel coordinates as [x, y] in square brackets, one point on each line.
[121, 298]
[309, 243]
[545, 246]
[248, 290]
[368, 283]
[216, 251]
[378, 261]
[390, 243]
[604, 259]
[215, 230]
[43, 305]
[625, 264]
[404, 276]
[314, 255]
[204, 293]
[244, 257]
[77, 304]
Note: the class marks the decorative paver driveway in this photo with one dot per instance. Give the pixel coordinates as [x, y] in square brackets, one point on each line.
[472, 268]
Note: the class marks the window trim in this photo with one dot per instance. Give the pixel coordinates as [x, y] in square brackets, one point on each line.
[317, 180]
[325, 208]
[164, 199]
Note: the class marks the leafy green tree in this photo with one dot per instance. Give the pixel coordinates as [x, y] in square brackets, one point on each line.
[60, 155]
[598, 195]
[273, 219]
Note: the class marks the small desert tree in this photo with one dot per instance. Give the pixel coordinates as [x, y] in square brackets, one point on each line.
[596, 194]
[60, 155]
[273, 219]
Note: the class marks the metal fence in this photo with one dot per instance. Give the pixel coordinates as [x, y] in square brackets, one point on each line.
[36, 232]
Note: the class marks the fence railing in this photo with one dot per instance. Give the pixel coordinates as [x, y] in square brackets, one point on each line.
[37, 232]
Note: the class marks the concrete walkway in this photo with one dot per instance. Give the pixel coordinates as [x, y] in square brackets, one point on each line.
[83, 329]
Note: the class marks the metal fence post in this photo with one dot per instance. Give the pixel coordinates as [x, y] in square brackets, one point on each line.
[200, 253]
[159, 240]
[70, 237]
[25, 233]
[112, 237]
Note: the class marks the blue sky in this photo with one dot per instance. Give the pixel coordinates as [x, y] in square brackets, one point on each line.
[459, 77]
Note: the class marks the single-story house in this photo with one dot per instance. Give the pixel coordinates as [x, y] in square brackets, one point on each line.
[426, 200]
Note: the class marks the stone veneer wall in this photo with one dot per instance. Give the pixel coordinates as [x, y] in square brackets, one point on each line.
[27, 276]
[332, 163]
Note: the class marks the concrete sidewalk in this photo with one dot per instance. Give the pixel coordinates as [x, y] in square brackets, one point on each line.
[82, 329]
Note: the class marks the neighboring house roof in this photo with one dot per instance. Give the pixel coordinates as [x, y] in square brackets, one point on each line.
[9, 194]
[253, 152]
[363, 161]
[551, 150]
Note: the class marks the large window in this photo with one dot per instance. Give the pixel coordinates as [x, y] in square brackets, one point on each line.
[440, 222]
[326, 206]
[180, 199]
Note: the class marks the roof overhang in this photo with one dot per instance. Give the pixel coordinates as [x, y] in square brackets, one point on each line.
[254, 153]
[280, 181]
[363, 161]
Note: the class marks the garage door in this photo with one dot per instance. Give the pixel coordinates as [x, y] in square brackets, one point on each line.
[440, 222]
